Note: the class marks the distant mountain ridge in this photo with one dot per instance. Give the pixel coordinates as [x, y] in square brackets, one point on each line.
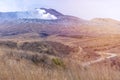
[43, 22]
[38, 13]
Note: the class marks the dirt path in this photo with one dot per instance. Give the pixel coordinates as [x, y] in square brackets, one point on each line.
[102, 58]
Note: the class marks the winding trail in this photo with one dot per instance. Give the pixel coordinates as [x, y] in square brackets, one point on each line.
[102, 58]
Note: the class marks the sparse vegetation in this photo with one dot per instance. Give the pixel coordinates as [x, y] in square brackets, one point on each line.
[47, 60]
[47, 47]
[8, 44]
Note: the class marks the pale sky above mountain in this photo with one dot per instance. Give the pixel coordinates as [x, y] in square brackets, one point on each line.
[86, 9]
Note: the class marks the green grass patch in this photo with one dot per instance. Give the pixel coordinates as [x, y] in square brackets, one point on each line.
[58, 62]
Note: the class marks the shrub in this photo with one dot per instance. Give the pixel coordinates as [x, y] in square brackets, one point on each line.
[8, 44]
[58, 62]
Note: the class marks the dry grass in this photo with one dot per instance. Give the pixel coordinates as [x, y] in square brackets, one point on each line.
[13, 69]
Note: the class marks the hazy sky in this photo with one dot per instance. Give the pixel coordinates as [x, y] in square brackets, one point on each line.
[86, 9]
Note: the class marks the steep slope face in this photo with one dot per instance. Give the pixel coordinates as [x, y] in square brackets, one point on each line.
[52, 11]
[39, 13]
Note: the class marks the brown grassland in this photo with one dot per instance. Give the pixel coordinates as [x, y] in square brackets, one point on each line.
[54, 58]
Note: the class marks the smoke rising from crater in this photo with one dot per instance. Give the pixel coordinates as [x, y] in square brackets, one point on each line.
[86, 9]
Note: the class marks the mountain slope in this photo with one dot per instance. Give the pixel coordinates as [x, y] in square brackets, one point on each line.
[39, 21]
[43, 22]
